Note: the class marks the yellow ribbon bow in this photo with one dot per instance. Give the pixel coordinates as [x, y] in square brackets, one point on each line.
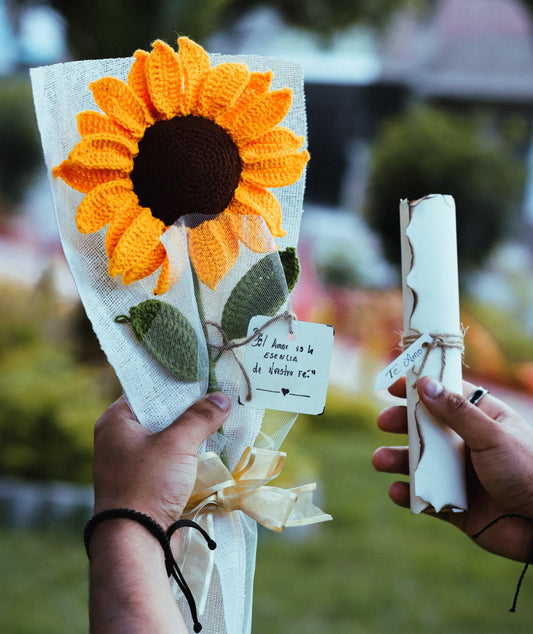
[244, 490]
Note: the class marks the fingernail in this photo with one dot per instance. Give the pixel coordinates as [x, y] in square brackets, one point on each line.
[220, 399]
[432, 388]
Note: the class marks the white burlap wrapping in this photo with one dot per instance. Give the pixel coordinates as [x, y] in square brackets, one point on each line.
[60, 92]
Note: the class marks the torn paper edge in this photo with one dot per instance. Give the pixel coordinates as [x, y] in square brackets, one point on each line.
[431, 304]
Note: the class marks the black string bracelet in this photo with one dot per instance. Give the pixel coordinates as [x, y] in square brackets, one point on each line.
[529, 559]
[163, 538]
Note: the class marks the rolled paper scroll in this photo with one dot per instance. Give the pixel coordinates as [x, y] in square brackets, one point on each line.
[431, 306]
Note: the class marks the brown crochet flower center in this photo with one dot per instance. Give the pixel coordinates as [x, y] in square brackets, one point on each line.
[185, 165]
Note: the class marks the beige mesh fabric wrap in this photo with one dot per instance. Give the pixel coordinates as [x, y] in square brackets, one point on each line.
[60, 92]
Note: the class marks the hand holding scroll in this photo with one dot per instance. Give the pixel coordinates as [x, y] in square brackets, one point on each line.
[500, 474]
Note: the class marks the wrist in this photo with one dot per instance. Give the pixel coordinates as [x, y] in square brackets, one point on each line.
[131, 521]
[129, 587]
[115, 536]
[143, 505]
[119, 534]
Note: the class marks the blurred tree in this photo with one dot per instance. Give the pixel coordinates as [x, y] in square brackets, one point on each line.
[528, 4]
[326, 17]
[20, 156]
[101, 28]
[428, 151]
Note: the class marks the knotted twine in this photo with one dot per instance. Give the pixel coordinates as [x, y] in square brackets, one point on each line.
[442, 341]
[230, 345]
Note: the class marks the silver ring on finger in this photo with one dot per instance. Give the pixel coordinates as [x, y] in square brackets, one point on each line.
[477, 395]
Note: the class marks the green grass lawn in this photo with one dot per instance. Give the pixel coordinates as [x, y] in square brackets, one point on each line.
[43, 584]
[375, 568]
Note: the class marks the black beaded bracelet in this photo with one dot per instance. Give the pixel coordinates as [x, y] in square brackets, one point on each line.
[162, 537]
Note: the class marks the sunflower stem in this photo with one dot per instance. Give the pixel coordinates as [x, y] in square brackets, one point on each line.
[212, 385]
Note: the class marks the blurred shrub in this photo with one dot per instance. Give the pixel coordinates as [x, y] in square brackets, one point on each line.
[48, 401]
[345, 412]
[508, 332]
[47, 412]
[430, 151]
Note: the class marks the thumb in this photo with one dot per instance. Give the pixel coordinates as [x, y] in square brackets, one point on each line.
[199, 421]
[478, 430]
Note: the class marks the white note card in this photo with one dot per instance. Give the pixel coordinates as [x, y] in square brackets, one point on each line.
[287, 371]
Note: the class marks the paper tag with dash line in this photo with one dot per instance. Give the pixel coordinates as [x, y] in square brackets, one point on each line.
[402, 364]
[287, 372]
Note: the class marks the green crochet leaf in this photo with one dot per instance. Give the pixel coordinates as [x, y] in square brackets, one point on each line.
[166, 335]
[261, 291]
[291, 266]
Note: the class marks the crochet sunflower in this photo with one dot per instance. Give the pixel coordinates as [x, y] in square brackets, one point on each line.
[182, 138]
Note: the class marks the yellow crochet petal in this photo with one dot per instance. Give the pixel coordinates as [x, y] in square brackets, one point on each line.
[258, 85]
[104, 151]
[277, 142]
[84, 179]
[163, 282]
[137, 241]
[164, 78]
[276, 172]
[98, 207]
[90, 122]
[195, 66]
[121, 104]
[252, 199]
[213, 249]
[262, 115]
[221, 89]
[164, 85]
[121, 220]
[137, 81]
[253, 232]
[146, 265]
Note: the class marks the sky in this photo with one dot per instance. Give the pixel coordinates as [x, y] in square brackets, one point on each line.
[40, 41]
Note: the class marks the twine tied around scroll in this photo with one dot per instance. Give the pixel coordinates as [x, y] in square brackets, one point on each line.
[229, 344]
[443, 341]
